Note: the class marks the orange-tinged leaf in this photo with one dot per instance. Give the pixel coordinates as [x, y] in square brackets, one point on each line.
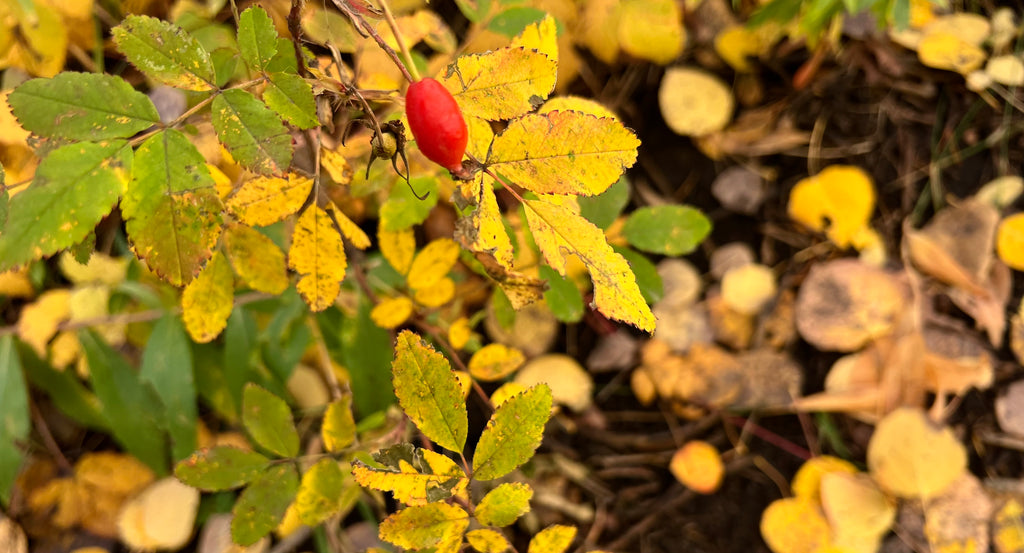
[564, 152]
[558, 232]
[500, 84]
[652, 29]
[484, 230]
[256, 259]
[437, 294]
[807, 482]
[839, 201]
[495, 361]
[207, 301]
[355, 235]
[398, 248]
[262, 201]
[486, 540]
[392, 312]
[698, 466]
[1010, 241]
[910, 456]
[437, 525]
[794, 525]
[541, 36]
[553, 539]
[433, 263]
[317, 253]
[39, 320]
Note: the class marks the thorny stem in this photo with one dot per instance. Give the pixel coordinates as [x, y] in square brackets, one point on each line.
[400, 39]
[365, 27]
[295, 28]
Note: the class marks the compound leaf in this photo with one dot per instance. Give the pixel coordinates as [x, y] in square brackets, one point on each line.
[513, 433]
[82, 106]
[220, 468]
[564, 152]
[429, 392]
[172, 209]
[269, 421]
[73, 189]
[253, 134]
[165, 52]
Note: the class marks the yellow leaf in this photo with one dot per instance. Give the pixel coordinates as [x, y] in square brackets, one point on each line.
[558, 231]
[971, 28]
[11, 131]
[541, 36]
[950, 52]
[317, 253]
[39, 319]
[339, 427]
[480, 136]
[435, 525]
[398, 248]
[912, 457]
[392, 312]
[794, 525]
[748, 288]
[486, 540]
[65, 350]
[355, 235]
[93, 302]
[40, 45]
[694, 102]
[262, 201]
[15, 283]
[564, 152]
[256, 259]
[221, 182]
[856, 509]
[101, 268]
[652, 29]
[500, 84]
[599, 28]
[1008, 528]
[410, 486]
[1007, 70]
[161, 517]
[207, 301]
[484, 230]
[807, 482]
[505, 391]
[735, 44]
[1010, 241]
[433, 263]
[495, 362]
[577, 103]
[459, 333]
[553, 539]
[698, 466]
[437, 294]
[839, 200]
[570, 384]
[336, 165]
[465, 382]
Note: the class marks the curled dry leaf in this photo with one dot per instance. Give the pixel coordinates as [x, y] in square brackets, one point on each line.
[12, 538]
[570, 384]
[844, 304]
[912, 457]
[1010, 409]
[956, 246]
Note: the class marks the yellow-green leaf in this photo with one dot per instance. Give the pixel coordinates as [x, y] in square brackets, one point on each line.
[164, 52]
[433, 263]
[256, 259]
[559, 231]
[436, 525]
[254, 134]
[484, 230]
[318, 254]
[262, 505]
[269, 421]
[262, 201]
[207, 301]
[339, 427]
[564, 152]
[486, 540]
[513, 433]
[652, 29]
[429, 393]
[504, 505]
[220, 468]
[495, 361]
[320, 492]
[501, 84]
[553, 539]
[412, 487]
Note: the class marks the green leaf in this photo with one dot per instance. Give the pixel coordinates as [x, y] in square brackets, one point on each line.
[74, 188]
[269, 421]
[220, 468]
[562, 296]
[261, 506]
[284, 61]
[167, 367]
[403, 209]
[164, 52]
[513, 433]
[604, 208]
[429, 392]
[320, 493]
[366, 353]
[128, 405]
[65, 390]
[172, 209]
[666, 229]
[82, 106]
[474, 10]
[504, 505]
[339, 427]
[253, 134]
[239, 353]
[14, 417]
[433, 525]
[512, 21]
[257, 38]
[292, 98]
[646, 273]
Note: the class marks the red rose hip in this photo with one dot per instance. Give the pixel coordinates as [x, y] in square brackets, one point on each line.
[436, 122]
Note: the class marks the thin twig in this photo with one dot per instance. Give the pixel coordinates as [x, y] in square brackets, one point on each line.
[361, 23]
